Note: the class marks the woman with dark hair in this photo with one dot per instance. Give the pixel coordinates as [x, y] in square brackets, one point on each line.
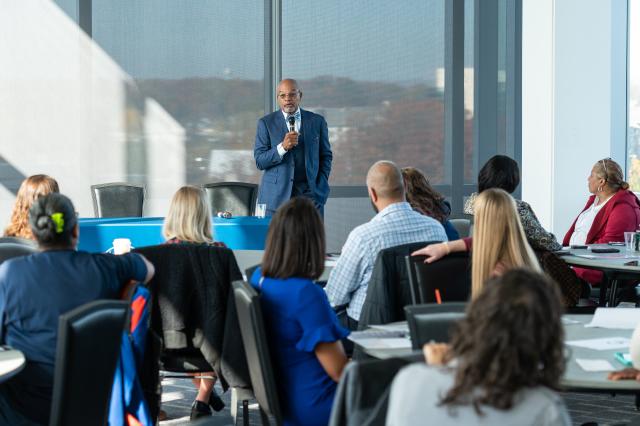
[36, 289]
[30, 189]
[304, 332]
[611, 210]
[503, 172]
[426, 200]
[503, 365]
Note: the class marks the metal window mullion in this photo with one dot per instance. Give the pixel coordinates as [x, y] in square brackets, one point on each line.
[454, 98]
[272, 51]
[514, 82]
[485, 71]
[85, 16]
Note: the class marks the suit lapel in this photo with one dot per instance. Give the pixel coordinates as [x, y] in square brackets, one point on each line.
[305, 125]
[281, 124]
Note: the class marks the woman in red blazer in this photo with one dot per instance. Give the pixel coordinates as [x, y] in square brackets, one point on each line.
[610, 211]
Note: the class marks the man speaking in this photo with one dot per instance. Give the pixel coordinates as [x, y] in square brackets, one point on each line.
[292, 148]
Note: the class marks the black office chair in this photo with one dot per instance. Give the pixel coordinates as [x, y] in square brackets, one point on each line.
[10, 250]
[463, 226]
[180, 269]
[118, 199]
[89, 340]
[18, 240]
[239, 198]
[450, 276]
[389, 290]
[363, 391]
[254, 337]
[250, 270]
[432, 322]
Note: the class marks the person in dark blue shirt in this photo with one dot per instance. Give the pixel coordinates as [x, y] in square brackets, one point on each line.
[303, 330]
[36, 289]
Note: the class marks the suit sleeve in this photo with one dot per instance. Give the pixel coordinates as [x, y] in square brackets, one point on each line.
[325, 158]
[264, 151]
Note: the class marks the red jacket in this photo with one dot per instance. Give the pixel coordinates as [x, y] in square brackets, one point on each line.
[620, 214]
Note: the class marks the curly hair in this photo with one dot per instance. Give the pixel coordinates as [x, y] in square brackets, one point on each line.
[31, 188]
[510, 339]
[421, 195]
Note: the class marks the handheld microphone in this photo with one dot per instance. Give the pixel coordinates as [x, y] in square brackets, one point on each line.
[292, 123]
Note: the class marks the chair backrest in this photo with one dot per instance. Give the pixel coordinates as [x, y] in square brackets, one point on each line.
[450, 276]
[9, 250]
[432, 322]
[463, 226]
[363, 392]
[389, 290]
[239, 198]
[250, 270]
[118, 199]
[18, 240]
[191, 283]
[254, 337]
[89, 339]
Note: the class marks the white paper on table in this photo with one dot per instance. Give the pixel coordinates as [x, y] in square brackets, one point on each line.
[394, 326]
[586, 256]
[626, 319]
[570, 321]
[602, 344]
[388, 343]
[330, 263]
[595, 364]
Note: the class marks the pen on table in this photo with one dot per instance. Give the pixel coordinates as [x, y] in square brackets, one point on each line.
[438, 299]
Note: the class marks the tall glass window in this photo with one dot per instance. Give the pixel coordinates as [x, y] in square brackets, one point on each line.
[633, 131]
[375, 71]
[198, 87]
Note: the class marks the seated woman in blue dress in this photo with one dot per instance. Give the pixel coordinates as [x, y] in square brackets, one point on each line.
[304, 333]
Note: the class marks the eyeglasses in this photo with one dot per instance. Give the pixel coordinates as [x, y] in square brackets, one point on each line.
[291, 95]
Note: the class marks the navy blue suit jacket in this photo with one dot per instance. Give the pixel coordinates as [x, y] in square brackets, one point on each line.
[277, 179]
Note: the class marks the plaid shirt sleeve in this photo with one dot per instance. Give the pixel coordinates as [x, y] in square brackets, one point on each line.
[346, 276]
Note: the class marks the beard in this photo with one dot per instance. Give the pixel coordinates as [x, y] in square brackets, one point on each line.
[375, 209]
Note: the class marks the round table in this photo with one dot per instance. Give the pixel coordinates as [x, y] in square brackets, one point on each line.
[612, 266]
[11, 362]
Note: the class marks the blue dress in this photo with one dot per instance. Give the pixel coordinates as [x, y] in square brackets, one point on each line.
[298, 317]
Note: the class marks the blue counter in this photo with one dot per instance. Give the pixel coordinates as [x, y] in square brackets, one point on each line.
[238, 233]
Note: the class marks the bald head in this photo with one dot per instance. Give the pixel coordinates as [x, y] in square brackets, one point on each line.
[289, 95]
[288, 84]
[385, 178]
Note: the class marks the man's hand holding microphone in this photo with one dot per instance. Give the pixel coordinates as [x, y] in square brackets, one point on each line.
[290, 139]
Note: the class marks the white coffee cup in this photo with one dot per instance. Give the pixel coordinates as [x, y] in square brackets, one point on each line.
[261, 210]
[121, 246]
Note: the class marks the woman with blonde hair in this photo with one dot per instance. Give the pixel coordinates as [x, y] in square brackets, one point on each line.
[189, 222]
[189, 218]
[499, 242]
[30, 190]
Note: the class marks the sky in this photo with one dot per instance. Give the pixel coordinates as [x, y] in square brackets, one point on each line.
[367, 40]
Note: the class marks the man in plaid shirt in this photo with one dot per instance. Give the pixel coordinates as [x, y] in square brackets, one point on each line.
[395, 223]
